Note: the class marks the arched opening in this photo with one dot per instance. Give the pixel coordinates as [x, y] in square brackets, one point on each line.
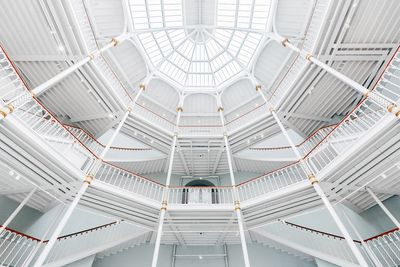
[200, 191]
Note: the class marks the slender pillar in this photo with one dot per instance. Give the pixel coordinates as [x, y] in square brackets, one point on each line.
[5, 110]
[44, 86]
[366, 247]
[165, 193]
[235, 192]
[315, 183]
[379, 98]
[387, 212]
[88, 179]
[17, 210]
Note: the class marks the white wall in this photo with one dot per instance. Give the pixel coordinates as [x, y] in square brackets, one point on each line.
[86, 262]
[260, 256]
[140, 256]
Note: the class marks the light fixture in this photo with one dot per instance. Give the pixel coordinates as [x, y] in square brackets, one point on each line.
[61, 48]
[110, 115]
[17, 177]
[11, 172]
[200, 257]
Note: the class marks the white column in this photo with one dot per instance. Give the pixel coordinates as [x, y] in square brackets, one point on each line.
[374, 95]
[45, 252]
[44, 86]
[17, 210]
[387, 212]
[165, 194]
[366, 247]
[314, 181]
[235, 192]
[89, 178]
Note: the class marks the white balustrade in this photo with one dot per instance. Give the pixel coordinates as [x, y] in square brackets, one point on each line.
[386, 248]
[271, 182]
[15, 248]
[200, 195]
[130, 182]
[328, 244]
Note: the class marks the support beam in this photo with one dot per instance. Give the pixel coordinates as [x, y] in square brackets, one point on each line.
[88, 180]
[387, 212]
[17, 210]
[238, 210]
[165, 193]
[314, 182]
[44, 86]
[377, 97]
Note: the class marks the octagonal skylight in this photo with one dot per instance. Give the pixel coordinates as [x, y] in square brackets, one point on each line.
[200, 43]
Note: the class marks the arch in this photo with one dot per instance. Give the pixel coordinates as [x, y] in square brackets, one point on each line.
[200, 194]
[237, 93]
[163, 93]
[200, 103]
[200, 182]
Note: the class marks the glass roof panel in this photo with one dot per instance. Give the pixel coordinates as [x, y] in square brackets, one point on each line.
[203, 54]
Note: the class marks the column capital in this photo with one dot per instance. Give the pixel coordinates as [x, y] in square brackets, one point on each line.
[309, 56]
[164, 205]
[6, 110]
[391, 107]
[89, 179]
[258, 87]
[114, 41]
[237, 205]
[285, 42]
[179, 109]
[220, 109]
[129, 109]
[313, 180]
[142, 87]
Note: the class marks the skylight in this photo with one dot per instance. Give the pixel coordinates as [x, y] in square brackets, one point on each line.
[200, 43]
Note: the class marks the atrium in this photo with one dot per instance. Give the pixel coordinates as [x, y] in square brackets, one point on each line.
[202, 133]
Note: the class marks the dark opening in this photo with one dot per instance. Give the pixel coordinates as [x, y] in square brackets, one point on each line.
[200, 183]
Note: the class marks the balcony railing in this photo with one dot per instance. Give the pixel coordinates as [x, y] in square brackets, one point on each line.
[18, 249]
[381, 249]
[200, 195]
[44, 124]
[271, 182]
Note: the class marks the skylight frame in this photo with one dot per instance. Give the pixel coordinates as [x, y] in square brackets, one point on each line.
[172, 47]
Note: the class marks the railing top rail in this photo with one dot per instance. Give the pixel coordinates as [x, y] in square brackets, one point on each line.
[382, 234]
[64, 236]
[98, 142]
[316, 231]
[21, 234]
[88, 230]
